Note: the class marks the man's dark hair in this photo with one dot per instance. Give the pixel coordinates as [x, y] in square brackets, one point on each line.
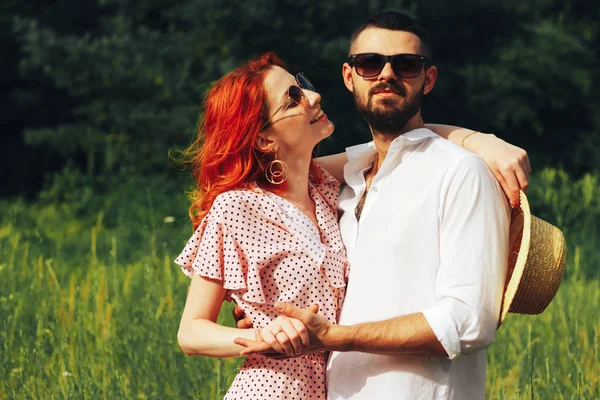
[398, 21]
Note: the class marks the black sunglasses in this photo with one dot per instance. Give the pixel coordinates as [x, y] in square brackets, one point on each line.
[295, 95]
[369, 65]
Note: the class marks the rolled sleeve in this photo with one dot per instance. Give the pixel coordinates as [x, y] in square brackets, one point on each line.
[444, 328]
[474, 221]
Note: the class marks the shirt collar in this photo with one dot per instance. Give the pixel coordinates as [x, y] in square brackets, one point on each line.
[362, 154]
[359, 157]
[414, 136]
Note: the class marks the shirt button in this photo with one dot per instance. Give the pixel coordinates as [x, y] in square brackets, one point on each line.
[375, 189]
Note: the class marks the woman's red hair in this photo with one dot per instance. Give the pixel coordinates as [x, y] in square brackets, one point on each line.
[223, 155]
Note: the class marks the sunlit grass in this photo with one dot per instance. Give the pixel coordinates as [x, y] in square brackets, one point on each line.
[553, 355]
[108, 333]
[90, 308]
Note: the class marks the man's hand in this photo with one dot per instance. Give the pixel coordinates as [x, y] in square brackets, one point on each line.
[316, 326]
[509, 164]
[241, 321]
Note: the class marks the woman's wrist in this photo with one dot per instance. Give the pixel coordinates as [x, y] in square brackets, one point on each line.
[466, 136]
[249, 333]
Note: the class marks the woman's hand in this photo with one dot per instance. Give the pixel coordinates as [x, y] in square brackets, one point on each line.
[284, 335]
[318, 330]
[509, 164]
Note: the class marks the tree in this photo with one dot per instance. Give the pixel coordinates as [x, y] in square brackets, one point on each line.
[120, 81]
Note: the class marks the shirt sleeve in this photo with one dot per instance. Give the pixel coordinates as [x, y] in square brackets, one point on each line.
[474, 222]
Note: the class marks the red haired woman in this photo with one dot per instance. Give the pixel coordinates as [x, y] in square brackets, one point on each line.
[265, 227]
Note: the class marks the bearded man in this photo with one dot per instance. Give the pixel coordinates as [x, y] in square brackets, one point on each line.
[425, 226]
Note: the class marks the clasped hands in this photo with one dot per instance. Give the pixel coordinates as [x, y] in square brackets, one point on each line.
[293, 333]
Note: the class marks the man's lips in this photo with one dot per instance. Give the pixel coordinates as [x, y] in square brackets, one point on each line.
[388, 92]
[389, 89]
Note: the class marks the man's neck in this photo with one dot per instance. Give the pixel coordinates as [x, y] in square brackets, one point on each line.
[383, 141]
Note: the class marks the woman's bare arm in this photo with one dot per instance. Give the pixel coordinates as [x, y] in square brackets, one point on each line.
[334, 164]
[199, 334]
[509, 164]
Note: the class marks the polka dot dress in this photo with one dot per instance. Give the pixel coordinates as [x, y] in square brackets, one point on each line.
[264, 250]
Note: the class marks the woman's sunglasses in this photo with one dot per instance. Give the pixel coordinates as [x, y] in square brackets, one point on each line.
[369, 65]
[295, 95]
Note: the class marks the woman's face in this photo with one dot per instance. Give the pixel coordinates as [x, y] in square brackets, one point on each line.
[296, 129]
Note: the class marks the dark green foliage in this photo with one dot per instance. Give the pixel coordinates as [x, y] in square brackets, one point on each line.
[111, 86]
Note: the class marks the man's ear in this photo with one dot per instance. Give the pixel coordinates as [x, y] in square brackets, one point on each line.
[264, 144]
[347, 76]
[430, 78]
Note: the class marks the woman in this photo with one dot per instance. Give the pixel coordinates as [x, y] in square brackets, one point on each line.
[265, 227]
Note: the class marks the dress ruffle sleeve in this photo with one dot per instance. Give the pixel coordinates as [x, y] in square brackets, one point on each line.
[213, 252]
[217, 249]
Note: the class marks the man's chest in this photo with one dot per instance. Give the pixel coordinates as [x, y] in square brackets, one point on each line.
[393, 214]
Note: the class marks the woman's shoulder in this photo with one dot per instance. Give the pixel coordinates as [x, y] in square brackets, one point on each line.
[235, 196]
[235, 201]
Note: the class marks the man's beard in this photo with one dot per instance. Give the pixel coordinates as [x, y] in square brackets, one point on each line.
[388, 118]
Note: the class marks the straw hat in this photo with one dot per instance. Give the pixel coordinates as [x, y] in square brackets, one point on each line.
[535, 264]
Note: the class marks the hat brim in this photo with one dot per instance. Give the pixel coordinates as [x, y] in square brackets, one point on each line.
[519, 240]
[536, 263]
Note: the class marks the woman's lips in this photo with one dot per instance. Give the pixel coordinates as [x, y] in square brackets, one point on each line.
[318, 117]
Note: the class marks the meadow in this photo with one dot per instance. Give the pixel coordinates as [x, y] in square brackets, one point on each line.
[90, 298]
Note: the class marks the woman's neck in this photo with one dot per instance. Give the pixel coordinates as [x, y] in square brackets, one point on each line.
[296, 188]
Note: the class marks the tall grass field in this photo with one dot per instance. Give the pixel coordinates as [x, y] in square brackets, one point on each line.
[90, 299]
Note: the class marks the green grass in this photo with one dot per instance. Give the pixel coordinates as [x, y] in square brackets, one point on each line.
[90, 302]
[102, 332]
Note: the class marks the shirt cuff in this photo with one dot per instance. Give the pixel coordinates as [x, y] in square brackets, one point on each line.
[444, 329]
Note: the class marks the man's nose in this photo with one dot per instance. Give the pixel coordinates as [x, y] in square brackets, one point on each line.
[387, 73]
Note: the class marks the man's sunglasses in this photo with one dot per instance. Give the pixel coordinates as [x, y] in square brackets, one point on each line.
[369, 65]
[295, 95]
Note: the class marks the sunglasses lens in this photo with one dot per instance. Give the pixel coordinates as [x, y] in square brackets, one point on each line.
[296, 95]
[369, 65]
[304, 82]
[407, 65]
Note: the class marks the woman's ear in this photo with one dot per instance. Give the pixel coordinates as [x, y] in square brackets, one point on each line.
[264, 144]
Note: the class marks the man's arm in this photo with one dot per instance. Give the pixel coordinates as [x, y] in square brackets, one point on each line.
[409, 334]
[473, 244]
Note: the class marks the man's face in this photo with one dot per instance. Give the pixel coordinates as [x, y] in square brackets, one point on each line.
[387, 101]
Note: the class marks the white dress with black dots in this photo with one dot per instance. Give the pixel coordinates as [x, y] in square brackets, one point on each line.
[265, 250]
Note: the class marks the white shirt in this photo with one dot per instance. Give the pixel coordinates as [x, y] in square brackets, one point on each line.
[432, 238]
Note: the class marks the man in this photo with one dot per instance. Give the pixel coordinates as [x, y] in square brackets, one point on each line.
[425, 225]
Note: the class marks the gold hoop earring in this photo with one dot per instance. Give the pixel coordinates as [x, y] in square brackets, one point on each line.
[276, 171]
